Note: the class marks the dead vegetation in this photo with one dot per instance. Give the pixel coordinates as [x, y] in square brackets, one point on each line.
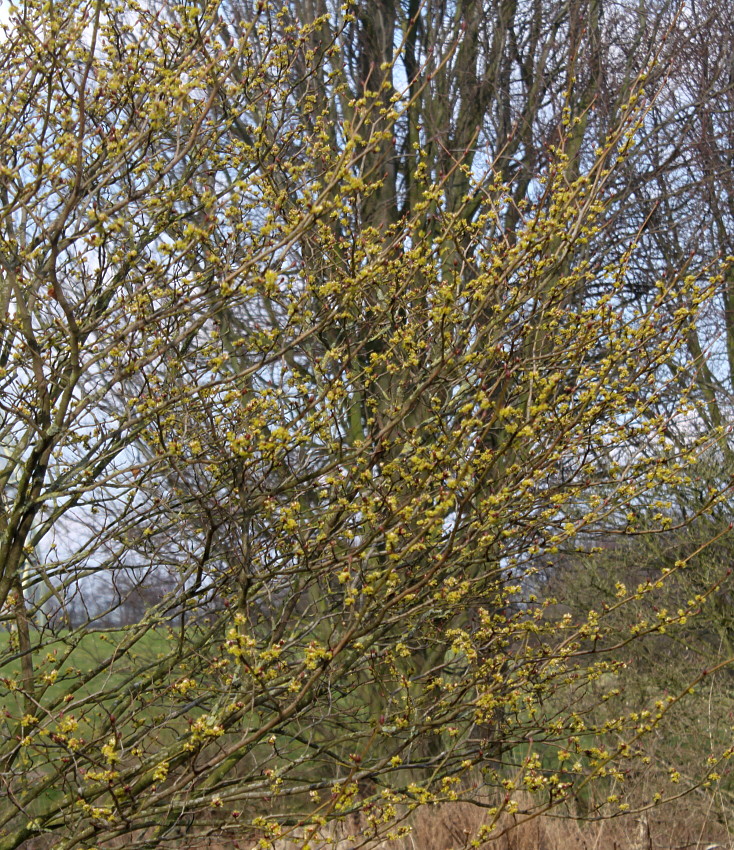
[453, 827]
[685, 825]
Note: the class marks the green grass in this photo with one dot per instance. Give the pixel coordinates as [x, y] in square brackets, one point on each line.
[90, 650]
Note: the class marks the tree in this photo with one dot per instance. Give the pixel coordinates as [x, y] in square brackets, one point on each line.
[681, 188]
[289, 340]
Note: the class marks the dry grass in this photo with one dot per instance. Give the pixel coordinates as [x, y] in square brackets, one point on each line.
[688, 825]
[453, 826]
